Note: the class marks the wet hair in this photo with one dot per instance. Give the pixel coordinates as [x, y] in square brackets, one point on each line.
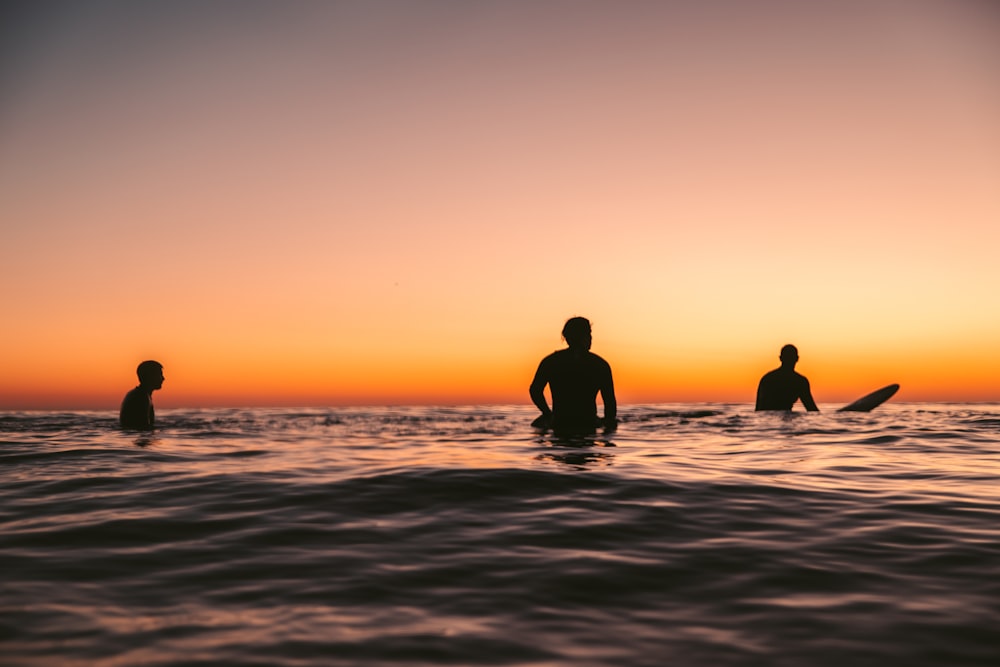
[576, 330]
[148, 369]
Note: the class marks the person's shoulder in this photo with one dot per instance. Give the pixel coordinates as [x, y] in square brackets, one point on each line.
[598, 359]
[552, 356]
[136, 394]
[549, 360]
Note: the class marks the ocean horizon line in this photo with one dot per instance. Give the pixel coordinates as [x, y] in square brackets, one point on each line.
[445, 406]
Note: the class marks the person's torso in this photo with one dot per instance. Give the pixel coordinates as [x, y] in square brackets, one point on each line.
[780, 390]
[575, 379]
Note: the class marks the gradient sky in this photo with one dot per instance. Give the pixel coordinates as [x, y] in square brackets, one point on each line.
[401, 202]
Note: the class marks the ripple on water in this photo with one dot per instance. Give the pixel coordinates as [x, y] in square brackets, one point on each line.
[696, 535]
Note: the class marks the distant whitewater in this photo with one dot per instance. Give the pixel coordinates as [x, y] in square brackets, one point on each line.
[695, 535]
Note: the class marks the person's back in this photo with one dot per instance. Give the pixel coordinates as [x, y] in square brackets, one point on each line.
[575, 379]
[780, 388]
[137, 407]
[575, 376]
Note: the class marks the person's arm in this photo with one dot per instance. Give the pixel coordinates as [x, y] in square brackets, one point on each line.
[537, 393]
[610, 402]
[807, 398]
[760, 395]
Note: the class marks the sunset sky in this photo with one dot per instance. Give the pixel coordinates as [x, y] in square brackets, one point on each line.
[324, 203]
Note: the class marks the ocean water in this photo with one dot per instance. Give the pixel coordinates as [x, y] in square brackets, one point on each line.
[695, 535]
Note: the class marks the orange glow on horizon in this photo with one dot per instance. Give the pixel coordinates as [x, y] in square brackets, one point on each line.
[498, 380]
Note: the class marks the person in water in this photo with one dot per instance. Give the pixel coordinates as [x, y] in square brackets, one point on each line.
[779, 389]
[574, 376]
[137, 407]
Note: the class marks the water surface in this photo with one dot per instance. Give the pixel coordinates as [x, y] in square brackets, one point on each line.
[696, 534]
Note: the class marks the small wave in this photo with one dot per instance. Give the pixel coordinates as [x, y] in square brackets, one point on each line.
[642, 417]
[881, 440]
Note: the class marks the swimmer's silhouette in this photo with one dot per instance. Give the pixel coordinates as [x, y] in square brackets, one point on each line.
[779, 389]
[137, 407]
[574, 376]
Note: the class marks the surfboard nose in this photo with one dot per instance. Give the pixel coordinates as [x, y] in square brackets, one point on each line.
[871, 401]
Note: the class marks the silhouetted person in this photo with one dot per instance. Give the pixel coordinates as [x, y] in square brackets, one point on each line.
[137, 407]
[779, 389]
[574, 376]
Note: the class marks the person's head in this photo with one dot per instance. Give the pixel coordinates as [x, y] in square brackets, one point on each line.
[789, 355]
[150, 374]
[576, 332]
